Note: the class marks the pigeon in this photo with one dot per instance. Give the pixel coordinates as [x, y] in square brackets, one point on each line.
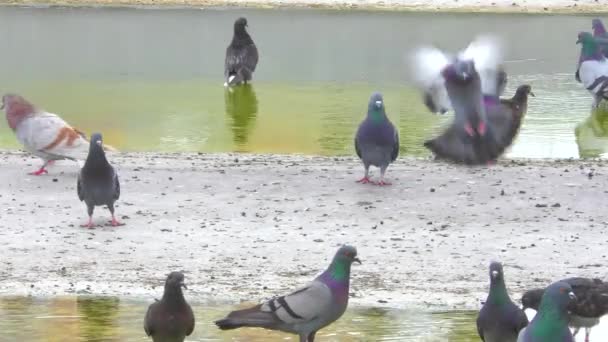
[241, 56]
[43, 134]
[585, 313]
[170, 319]
[499, 320]
[306, 310]
[593, 67]
[377, 140]
[98, 181]
[599, 31]
[428, 62]
[551, 321]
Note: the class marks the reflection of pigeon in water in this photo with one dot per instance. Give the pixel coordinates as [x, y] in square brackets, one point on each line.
[593, 67]
[499, 320]
[551, 321]
[377, 139]
[241, 56]
[242, 107]
[591, 304]
[306, 310]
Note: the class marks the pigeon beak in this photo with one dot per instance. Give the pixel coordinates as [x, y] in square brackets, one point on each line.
[98, 142]
[532, 94]
[357, 260]
[182, 284]
[494, 274]
[379, 104]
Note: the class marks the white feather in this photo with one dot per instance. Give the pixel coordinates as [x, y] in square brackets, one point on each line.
[589, 71]
[231, 78]
[426, 66]
[487, 53]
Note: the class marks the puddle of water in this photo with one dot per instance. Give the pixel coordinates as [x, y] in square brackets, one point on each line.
[151, 80]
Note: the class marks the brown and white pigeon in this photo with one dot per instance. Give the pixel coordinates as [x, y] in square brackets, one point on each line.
[43, 134]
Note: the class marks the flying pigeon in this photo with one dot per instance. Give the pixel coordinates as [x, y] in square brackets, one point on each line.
[428, 62]
[593, 67]
[43, 134]
[170, 319]
[585, 313]
[306, 310]
[377, 140]
[499, 320]
[241, 56]
[98, 181]
[551, 321]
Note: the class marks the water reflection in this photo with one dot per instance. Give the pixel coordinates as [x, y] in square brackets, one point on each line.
[592, 134]
[241, 108]
[97, 318]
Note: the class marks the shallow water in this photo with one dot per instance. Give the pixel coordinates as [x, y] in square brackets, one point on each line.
[152, 79]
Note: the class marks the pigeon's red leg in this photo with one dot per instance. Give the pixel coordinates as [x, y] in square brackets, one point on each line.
[481, 128]
[469, 129]
[382, 182]
[364, 180]
[88, 224]
[115, 222]
[39, 172]
[587, 332]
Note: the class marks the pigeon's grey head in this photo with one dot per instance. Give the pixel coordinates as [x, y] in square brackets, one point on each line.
[531, 299]
[558, 294]
[524, 89]
[376, 102]
[598, 26]
[96, 139]
[461, 71]
[240, 24]
[175, 280]
[16, 108]
[347, 254]
[496, 271]
[585, 38]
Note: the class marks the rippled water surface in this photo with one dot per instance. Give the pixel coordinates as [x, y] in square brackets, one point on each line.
[152, 79]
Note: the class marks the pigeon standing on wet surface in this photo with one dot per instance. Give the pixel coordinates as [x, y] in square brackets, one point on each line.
[98, 181]
[43, 134]
[170, 319]
[593, 67]
[551, 321]
[241, 56]
[306, 310]
[591, 304]
[499, 320]
[377, 140]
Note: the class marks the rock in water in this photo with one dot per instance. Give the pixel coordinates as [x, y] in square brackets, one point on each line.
[551, 321]
[43, 134]
[499, 320]
[593, 67]
[170, 319]
[241, 56]
[98, 181]
[377, 140]
[306, 310]
[592, 303]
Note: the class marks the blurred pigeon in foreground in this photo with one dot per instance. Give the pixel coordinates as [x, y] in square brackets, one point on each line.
[377, 140]
[593, 67]
[427, 63]
[306, 310]
[499, 320]
[170, 319]
[592, 303]
[241, 56]
[43, 134]
[551, 321]
[98, 181]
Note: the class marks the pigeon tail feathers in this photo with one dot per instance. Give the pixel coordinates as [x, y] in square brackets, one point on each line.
[251, 317]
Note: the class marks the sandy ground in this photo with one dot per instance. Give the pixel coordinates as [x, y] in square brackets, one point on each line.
[516, 6]
[246, 227]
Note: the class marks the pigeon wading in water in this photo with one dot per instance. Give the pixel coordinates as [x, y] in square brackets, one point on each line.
[499, 320]
[170, 319]
[593, 67]
[241, 56]
[591, 304]
[551, 321]
[377, 139]
[43, 134]
[98, 181]
[306, 310]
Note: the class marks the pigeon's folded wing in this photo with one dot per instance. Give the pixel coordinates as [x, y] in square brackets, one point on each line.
[303, 305]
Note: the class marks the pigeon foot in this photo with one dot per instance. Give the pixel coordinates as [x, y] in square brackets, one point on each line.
[382, 183]
[116, 223]
[364, 180]
[481, 128]
[469, 129]
[39, 172]
[88, 224]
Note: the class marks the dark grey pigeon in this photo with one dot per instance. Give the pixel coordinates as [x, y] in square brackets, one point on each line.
[241, 56]
[98, 181]
[377, 140]
[592, 303]
[306, 310]
[499, 320]
[551, 321]
[170, 319]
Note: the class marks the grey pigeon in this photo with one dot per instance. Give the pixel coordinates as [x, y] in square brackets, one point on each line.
[377, 140]
[98, 181]
[170, 319]
[499, 320]
[306, 310]
[593, 66]
[551, 321]
[241, 56]
[592, 303]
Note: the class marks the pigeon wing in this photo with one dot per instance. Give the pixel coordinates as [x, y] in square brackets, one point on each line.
[303, 305]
